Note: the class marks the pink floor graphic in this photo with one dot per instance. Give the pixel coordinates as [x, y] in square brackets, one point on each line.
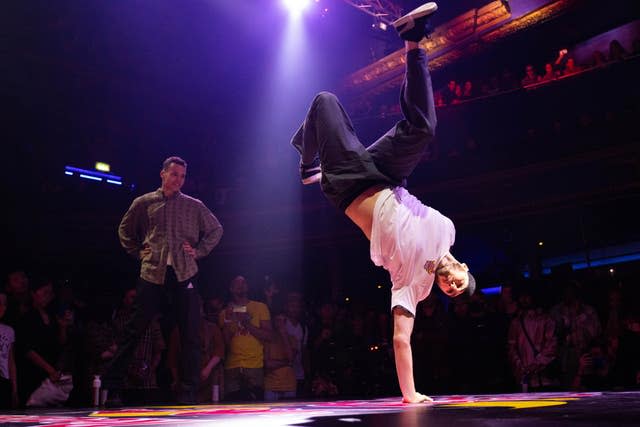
[473, 409]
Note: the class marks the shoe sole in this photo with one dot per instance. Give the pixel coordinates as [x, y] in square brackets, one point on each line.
[417, 13]
[312, 179]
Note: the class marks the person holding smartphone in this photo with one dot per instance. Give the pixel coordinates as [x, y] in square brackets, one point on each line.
[246, 326]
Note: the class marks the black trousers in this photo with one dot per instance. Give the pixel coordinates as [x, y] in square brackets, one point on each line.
[348, 168]
[151, 298]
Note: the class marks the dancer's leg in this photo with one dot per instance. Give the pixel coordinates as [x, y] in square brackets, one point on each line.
[347, 167]
[399, 151]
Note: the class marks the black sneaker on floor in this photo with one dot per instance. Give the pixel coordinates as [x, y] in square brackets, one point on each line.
[413, 25]
[312, 173]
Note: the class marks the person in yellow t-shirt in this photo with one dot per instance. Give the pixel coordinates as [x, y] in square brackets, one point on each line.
[279, 354]
[246, 326]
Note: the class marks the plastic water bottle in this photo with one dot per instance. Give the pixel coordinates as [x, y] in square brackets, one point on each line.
[96, 390]
[215, 393]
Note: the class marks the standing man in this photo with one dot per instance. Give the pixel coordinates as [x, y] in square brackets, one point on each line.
[168, 232]
[408, 239]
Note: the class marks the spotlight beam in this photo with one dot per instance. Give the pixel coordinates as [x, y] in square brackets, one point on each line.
[296, 7]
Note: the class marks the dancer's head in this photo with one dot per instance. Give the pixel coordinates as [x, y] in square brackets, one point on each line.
[453, 277]
[173, 174]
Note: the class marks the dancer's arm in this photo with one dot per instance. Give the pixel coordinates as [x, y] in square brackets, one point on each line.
[402, 327]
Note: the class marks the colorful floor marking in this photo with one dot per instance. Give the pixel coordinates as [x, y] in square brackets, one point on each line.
[285, 413]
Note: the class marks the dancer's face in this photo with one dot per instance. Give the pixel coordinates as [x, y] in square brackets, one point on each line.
[173, 178]
[456, 279]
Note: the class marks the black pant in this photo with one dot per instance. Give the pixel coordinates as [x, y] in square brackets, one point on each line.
[348, 168]
[150, 299]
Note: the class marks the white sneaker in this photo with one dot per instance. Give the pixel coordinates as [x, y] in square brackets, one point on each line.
[411, 26]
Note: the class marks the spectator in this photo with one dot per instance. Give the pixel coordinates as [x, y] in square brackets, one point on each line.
[356, 366]
[99, 343]
[431, 343]
[613, 317]
[271, 294]
[212, 347]
[571, 67]
[461, 355]
[616, 51]
[507, 306]
[533, 345]
[140, 380]
[297, 328]
[549, 73]
[18, 297]
[467, 91]
[246, 326]
[8, 384]
[627, 370]
[530, 76]
[458, 95]
[213, 306]
[577, 324]
[45, 340]
[593, 368]
[279, 355]
[324, 350]
[449, 93]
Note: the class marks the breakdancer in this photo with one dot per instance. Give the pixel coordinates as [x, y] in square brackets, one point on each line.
[407, 238]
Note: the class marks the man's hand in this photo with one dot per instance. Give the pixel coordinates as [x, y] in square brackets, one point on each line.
[145, 252]
[188, 249]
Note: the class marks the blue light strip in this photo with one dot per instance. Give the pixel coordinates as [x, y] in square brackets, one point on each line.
[111, 181]
[68, 173]
[92, 173]
[606, 261]
[495, 290]
[94, 178]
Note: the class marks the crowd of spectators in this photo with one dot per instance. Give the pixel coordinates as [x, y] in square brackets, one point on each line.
[563, 66]
[532, 336]
[458, 91]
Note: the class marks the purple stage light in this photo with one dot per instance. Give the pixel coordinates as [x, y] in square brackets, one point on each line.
[296, 7]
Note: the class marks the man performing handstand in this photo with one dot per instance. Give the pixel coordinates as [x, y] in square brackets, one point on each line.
[408, 239]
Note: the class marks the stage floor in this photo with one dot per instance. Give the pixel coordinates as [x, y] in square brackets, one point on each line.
[539, 409]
